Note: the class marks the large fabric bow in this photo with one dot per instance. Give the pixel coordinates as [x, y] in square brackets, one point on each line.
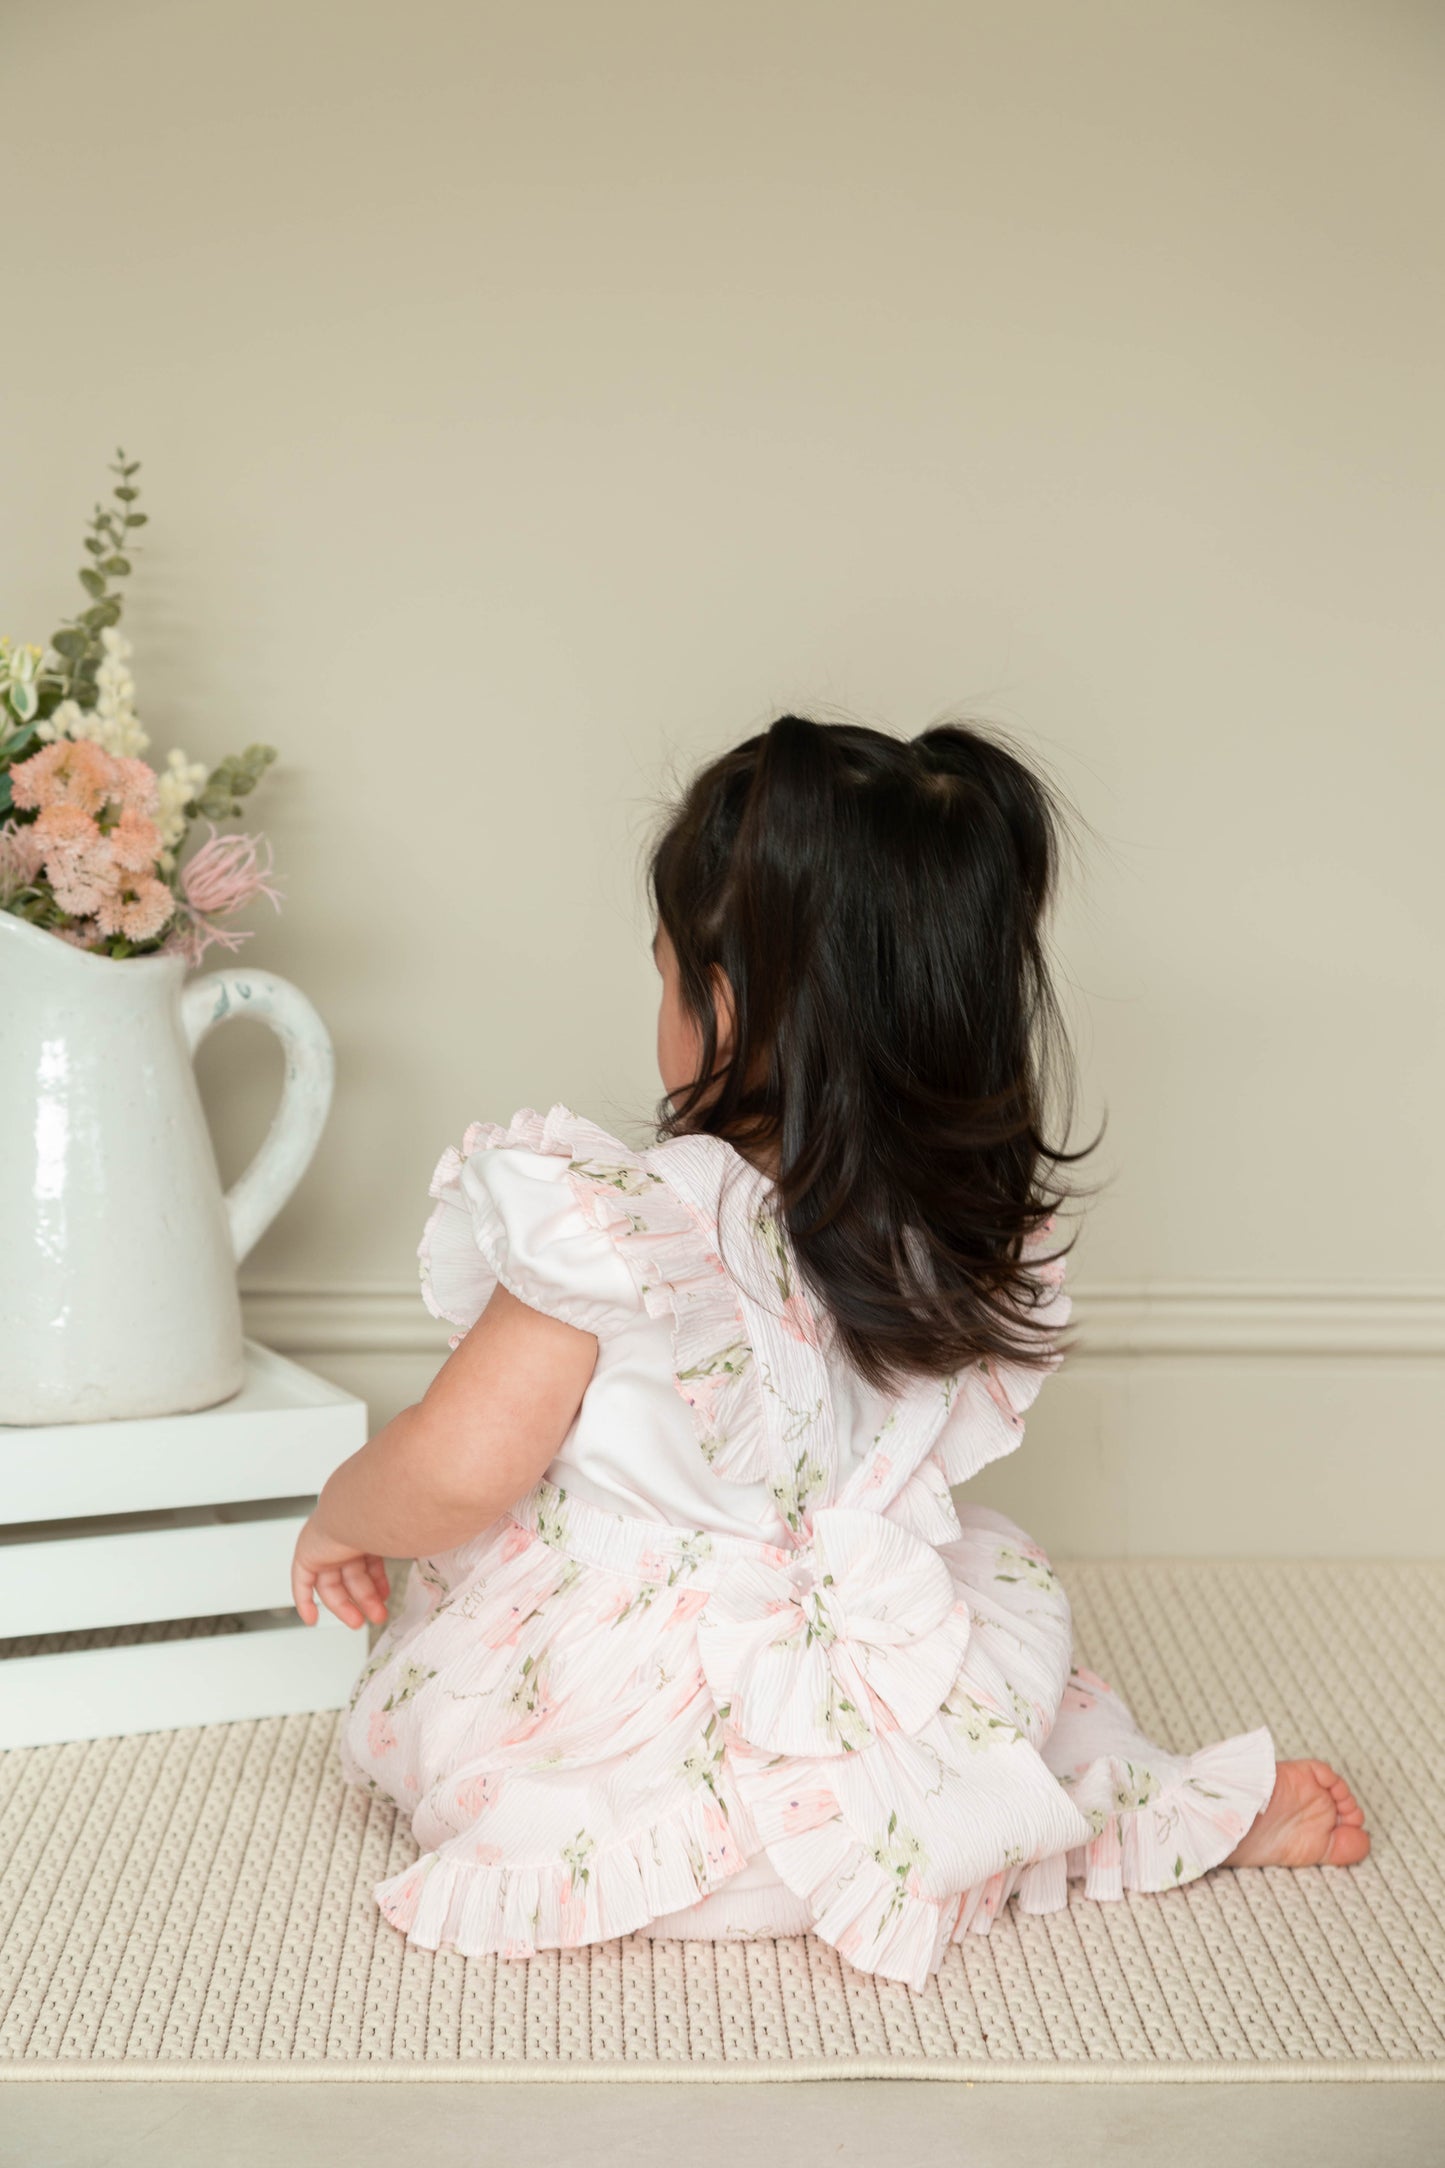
[805, 1652]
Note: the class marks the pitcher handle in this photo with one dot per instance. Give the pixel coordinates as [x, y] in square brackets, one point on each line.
[253, 1201]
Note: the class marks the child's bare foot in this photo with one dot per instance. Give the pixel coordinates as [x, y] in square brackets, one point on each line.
[1313, 1819]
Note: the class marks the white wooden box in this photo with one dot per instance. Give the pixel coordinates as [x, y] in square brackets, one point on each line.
[107, 1530]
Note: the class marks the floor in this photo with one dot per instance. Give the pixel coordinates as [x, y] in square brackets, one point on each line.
[1264, 2125]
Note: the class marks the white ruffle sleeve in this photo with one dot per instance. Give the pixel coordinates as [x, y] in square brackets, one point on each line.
[507, 1211]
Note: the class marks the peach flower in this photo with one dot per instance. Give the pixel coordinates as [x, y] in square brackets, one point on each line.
[72, 771]
[137, 908]
[136, 784]
[20, 856]
[135, 840]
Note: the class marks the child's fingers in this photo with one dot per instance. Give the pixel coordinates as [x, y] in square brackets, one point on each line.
[356, 1573]
[381, 1577]
[332, 1590]
[303, 1584]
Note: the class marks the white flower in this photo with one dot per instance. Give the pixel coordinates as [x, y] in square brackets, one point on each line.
[66, 722]
[178, 783]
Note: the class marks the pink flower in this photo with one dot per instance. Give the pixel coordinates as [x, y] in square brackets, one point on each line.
[516, 1540]
[72, 771]
[475, 1794]
[1083, 1690]
[487, 1855]
[720, 1847]
[225, 875]
[687, 1693]
[532, 1724]
[380, 1738]
[687, 1605]
[399, 1906]
[999, 1397]
[701, 1394]
[571, 1917]
[650, 1566]
[799, 1320]
[506, 1636]
[807, 1810]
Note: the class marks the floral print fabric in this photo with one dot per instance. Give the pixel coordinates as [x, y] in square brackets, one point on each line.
[862, 1718]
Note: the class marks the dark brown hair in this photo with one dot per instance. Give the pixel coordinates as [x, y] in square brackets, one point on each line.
[877, 905]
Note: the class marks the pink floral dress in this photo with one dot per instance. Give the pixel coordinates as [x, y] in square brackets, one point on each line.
[739, 1665]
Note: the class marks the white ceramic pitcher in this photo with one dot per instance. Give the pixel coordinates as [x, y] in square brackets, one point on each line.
[118, 1251]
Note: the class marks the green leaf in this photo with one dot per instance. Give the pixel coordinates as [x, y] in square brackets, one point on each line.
[4, 793]
[96, 548]
[70, 643]
[91, 581]
[117, 567]
[136, 519]
[126, 495]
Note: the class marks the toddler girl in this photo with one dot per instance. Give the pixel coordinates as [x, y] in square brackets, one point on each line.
[697, 1641]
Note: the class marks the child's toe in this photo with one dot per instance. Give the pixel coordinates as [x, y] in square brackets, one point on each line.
[1345, 1801]
[1347, 1846]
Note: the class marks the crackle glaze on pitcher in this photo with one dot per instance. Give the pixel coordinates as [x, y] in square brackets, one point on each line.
[118, 1250]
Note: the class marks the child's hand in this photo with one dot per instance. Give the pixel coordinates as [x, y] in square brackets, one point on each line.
[349, 1582]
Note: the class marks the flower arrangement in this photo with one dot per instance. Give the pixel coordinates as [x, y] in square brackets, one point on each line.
[92, 836]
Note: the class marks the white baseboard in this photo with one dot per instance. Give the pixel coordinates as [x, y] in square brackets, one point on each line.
[1188, 1318]
[1223, 1421]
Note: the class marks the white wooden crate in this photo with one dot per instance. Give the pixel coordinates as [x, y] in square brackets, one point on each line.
[183, 1517]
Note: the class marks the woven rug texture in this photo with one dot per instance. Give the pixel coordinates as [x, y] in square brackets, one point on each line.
[198, 1903]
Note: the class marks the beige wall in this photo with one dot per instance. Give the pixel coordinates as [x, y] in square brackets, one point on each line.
[534, 398]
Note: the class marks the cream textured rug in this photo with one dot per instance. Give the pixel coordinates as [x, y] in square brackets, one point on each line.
[196, 1904]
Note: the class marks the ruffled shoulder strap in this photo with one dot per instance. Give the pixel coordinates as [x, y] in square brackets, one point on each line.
[987, 1403]
[694, 1225]
[942, 1431]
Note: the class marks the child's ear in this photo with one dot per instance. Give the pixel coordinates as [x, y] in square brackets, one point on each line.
[725, 1012]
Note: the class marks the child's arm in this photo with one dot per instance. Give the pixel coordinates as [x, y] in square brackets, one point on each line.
[488, 1426]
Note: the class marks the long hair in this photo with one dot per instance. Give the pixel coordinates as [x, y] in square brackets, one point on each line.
[877, 906]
